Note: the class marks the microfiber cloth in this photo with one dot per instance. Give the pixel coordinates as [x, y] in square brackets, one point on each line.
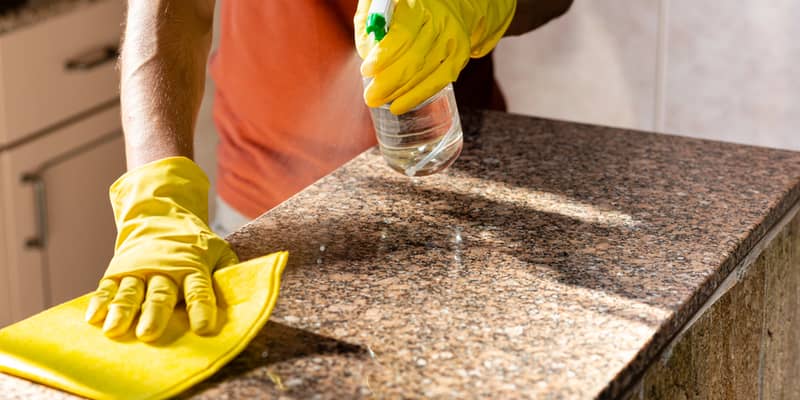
[58, 348]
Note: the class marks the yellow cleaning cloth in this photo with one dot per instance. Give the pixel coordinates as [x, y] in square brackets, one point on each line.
[58, 348]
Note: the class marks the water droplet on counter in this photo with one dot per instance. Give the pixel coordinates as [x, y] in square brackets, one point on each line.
[319, 261]
[491, 161]
[514, 331]
[264, 354]
[293, 382]
[322, 247]
[457, 240]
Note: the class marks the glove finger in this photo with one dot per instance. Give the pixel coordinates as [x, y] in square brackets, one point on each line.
[159, 302]
[431, 84]
[98, 304]
[407, 25]
[363, 42]
[418, 62]
[227, 259]
[423, 91]
[124, 307]
[201, 303]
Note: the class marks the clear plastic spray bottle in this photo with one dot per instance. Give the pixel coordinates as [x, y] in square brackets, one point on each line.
[425, 140]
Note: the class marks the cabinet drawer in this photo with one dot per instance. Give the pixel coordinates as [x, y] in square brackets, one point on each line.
[60, 67]
[58, 224]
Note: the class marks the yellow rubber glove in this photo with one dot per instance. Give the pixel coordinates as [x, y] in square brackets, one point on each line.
[164, 244]
[428, 44]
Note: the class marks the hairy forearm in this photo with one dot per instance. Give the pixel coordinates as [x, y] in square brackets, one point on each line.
[532, 14]
[162, 76]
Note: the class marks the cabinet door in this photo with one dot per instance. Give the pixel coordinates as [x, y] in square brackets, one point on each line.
[59, 225]
[5, 297]
[80, 223]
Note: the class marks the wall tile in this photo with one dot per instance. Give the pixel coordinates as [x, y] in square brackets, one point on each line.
[733, 71]
[595, 64]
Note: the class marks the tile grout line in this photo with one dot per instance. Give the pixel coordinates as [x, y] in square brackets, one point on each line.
[661, 66]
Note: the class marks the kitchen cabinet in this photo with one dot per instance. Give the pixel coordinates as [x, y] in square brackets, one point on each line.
[58, 220]
[61, 147]
[58, 69]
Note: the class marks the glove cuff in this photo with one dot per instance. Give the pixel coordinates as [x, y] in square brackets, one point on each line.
[161, 187]
[484, 35]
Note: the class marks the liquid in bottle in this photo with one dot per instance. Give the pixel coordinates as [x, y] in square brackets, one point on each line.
[423, 141]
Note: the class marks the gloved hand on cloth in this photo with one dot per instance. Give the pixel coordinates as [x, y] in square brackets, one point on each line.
[164, 251]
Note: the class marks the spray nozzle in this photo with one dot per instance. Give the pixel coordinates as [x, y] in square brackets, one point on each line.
[379, 18]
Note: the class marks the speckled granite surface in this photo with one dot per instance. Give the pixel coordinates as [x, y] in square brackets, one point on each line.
[37, 10]
[553, 260]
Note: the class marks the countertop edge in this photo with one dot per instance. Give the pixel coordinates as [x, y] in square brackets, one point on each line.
[630, 375]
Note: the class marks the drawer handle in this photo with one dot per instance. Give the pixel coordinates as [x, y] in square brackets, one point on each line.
[40, 199]
[36, 180]
[92, 59]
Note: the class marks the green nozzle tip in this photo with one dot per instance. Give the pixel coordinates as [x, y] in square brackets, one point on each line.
[376, 25]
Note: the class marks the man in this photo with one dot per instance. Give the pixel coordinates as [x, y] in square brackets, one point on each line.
[289, 108]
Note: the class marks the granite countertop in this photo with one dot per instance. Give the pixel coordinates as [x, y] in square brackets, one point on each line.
[553, 260]
[37, 10]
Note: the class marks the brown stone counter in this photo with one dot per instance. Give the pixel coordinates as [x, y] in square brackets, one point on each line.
[553, 260]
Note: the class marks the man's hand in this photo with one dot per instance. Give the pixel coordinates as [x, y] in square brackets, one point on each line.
[428, 44]
[164, 245]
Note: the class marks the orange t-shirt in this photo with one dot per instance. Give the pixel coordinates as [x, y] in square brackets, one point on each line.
[289, 106]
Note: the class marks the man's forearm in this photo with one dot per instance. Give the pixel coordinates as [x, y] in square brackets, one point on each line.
[162, 67]
[532, 14]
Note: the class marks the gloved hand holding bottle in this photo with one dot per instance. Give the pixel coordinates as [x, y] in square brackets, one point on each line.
[163, 244]
[429, 43]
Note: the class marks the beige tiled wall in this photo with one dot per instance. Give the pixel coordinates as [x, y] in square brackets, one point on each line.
[595, 64]
[733, 71]
[722, 70]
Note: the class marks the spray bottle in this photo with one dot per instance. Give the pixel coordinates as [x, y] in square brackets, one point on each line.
[425, 140]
